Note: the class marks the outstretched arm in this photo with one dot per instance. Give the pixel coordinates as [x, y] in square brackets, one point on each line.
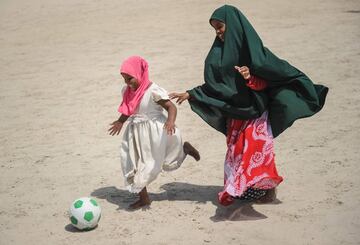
[169, 125]
[117, 125]
[180, 97]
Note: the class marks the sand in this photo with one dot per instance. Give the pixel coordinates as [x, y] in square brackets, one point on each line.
[60, 88]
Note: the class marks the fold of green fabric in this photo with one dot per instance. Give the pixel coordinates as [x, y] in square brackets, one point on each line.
[290, 95]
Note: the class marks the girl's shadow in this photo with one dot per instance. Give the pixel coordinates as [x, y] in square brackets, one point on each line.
[178, 191]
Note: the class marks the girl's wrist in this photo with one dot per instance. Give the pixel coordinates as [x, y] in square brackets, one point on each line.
[122, 118]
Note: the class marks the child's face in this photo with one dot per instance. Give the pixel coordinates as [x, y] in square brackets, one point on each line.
[219, 29]
[132, 82]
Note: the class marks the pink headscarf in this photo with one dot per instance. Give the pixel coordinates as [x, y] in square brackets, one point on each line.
[137, 67]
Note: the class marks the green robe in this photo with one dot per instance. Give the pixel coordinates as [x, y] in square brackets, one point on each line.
[290, 94]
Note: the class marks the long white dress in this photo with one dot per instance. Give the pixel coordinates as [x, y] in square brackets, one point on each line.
[146, 148]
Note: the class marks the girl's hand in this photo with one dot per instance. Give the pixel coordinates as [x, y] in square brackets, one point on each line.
[116, 128]
[244, 71]
[180, 97]
[169, 127]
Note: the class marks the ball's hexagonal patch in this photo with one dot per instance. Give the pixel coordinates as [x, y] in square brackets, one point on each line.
[78, 204]
[88, 216]
[73, 220]
[94, 202]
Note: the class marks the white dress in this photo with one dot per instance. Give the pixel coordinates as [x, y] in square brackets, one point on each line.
[146, 148]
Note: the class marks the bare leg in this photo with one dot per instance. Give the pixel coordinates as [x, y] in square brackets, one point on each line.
[143, 201]
[190, 150]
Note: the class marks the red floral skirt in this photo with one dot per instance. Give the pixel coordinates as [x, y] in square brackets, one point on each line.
[249, 159]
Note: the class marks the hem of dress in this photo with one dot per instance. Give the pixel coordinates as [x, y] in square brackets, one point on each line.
[178, 165]
[133, 189]
[264, 187]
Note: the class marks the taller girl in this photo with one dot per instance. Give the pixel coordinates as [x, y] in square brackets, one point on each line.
[250, 109]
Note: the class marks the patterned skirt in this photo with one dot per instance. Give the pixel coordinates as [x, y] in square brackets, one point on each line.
[249, 165]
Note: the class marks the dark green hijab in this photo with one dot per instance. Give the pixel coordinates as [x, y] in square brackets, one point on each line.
[290, 94]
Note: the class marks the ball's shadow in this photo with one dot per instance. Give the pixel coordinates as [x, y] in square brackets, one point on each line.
[178, 191]
[71, 228]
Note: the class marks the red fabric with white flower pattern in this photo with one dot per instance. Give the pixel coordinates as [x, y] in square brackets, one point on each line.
[249, 158]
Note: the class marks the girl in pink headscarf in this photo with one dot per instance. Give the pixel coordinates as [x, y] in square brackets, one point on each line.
[151, 142]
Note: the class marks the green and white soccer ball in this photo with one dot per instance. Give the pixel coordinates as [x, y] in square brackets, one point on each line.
[85, 213]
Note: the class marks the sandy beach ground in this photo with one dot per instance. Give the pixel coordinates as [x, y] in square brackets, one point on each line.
[60, 88]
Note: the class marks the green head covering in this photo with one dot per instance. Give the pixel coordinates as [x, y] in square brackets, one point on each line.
[290, 94]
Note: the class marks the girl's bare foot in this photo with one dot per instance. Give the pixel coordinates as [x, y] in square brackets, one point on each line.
[143, 201]
[190, 150]
[139, 203]
[269, 197]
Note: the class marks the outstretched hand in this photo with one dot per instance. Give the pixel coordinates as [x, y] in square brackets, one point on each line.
[116, 128]
[180, 97]
[244, 71]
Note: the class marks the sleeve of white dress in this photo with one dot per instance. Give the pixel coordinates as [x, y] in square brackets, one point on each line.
[159, 93]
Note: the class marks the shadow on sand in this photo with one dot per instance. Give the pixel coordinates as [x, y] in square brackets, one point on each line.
[178, 191]
[72, 229]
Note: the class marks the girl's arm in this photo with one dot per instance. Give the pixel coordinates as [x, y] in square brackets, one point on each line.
[256, 83]
[169, 125]
[180, 97]
[253, 82]
[122, 118]
[117, 125]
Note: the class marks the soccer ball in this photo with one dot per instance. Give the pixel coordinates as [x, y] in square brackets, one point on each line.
[84, 213]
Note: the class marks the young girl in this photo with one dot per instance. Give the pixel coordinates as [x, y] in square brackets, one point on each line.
[151, 142]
